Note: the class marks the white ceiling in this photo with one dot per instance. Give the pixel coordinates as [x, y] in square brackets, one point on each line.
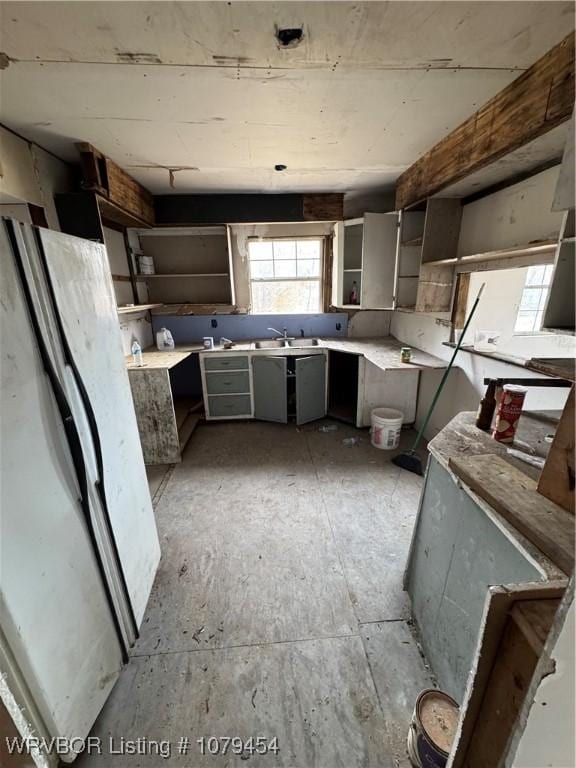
[204, 88]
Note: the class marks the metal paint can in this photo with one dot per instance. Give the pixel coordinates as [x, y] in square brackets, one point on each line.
[405, 354]
[508, 413]
[432, 729]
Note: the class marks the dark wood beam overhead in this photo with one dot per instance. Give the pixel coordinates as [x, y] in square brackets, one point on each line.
[539, 100]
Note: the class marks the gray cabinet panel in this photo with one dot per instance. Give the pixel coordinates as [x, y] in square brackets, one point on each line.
[235, 382]
[229, 405]
[270, 391]
[310, 388]
[228, 363]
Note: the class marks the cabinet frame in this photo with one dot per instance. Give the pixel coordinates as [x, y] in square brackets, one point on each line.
[377, 268]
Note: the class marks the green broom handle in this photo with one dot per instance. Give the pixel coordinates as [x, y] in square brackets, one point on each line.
[447, 371]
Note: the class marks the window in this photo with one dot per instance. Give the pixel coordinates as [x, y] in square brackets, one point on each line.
[533, 301]
[285, 276]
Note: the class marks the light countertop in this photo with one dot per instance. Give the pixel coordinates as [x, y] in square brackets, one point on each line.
[384, 352]
[461, 437]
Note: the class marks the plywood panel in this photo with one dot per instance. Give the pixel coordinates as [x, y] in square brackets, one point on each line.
[155, 415]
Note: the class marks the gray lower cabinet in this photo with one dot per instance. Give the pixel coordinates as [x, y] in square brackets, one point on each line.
[310, 388]
[229, 406]
[269, 381]
[270, 377]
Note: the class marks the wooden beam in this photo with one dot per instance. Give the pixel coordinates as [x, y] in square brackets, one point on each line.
[539, 100]
[103, 176]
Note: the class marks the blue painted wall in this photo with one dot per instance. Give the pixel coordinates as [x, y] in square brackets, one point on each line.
[191, 328]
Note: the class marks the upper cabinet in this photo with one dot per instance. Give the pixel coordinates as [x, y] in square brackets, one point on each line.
[427, 247]
[365, 262]
[185, 266]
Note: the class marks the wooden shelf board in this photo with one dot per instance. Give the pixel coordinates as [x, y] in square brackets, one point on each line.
[416, 241]
[532, 249]
[136, 308]
[184, 275]
[356, 269]
[188, 308]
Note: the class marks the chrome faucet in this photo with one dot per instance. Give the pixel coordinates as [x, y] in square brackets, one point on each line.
[283, 335]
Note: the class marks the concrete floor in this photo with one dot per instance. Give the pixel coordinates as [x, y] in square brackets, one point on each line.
[278, 609]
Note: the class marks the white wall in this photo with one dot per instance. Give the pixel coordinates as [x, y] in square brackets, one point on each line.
[548, 740]
[137, 328]
[370, 322]
[498, 309]
[465, 386]
[31, 175]
[516, 215]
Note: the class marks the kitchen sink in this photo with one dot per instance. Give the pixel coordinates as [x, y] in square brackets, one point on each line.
[270, 344]
[303, 343]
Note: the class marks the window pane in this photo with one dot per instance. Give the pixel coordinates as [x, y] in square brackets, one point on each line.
[285, 268]
[286, 297]
[543, 297]
[525, 322]
[538, 321]
[309, 268]
[308, 249]
[284, 249]
[260, 269]
[548, 274]
[531, 299]
[535, 275]
[260, 250]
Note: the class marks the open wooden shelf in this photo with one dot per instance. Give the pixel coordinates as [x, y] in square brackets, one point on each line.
[194, 309]
[183, 275]
[130, 310]
[531, 249]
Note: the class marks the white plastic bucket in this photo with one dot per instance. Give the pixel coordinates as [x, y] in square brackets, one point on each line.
[386, 428]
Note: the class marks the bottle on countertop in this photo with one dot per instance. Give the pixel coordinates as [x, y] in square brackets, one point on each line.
[487, 407]
[136, 350]
[354, 293]
[164, 340]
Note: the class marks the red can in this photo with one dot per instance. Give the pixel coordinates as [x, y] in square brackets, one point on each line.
[509, 411]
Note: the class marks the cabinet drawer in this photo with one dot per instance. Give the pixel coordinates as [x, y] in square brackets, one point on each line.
[228, 363]
[221, 383]
[234, 405]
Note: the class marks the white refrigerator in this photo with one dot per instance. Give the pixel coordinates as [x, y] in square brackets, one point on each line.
[78, 542]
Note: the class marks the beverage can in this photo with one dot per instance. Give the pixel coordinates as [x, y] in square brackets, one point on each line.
[509, 411]
[405, 354]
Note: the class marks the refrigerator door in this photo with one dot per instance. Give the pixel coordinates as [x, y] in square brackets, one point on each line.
[82, 296]
[54, 610]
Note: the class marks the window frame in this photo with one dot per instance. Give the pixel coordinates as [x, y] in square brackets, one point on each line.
[321, 239]
[544, 290]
